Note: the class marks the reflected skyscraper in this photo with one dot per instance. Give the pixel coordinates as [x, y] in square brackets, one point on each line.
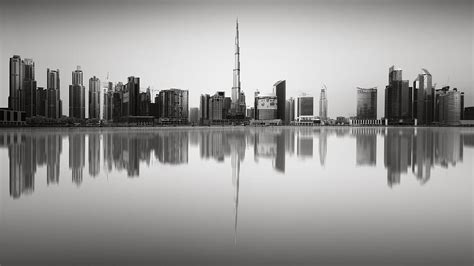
[397, 157]
[54, 144]
[323, 147]
[22, 155]
[77, 145]
[366, 146]
[305, 144]
[280, 152]
[423, 154]
[94, 154]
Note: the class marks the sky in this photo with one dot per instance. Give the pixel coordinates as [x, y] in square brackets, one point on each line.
[343, 44]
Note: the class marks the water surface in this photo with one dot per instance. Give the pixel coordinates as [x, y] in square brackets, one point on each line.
[369, 196]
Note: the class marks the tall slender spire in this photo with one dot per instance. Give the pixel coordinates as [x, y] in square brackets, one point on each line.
[236, 84]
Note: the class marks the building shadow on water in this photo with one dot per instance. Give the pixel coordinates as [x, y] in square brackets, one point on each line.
[415, 150]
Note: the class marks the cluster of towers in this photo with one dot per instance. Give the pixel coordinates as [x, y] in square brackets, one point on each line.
[420, 104]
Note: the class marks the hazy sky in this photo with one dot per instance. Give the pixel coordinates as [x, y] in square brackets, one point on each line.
[190, 44]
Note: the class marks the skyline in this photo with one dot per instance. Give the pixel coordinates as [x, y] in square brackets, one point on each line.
[262, 62]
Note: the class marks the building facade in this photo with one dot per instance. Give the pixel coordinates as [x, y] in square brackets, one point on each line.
[323, 104]
[267, 106]
[173, 105]
[16, 83]
[77, 95]
[367, 103]
[204, 108]
[28, 93]
[279, 88]
[304, 106]
[53, 97]
[424, 98]
[398, 98]
[94, 98]
[449, 106]
[217, 110]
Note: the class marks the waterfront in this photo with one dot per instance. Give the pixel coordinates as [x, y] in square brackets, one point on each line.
[270, 195]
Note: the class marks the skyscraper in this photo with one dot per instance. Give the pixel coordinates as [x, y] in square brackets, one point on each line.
[449, 106]
[16, 83]
[291, 109]
[204, 108]
[279, 88]
[77, 95]
[305, 106]
[216, 107]
[398, 98]
[41, 96]
[133, 88]
[174, 105]
[53, 100]
[94, 98]
[238, 104]
[323, 104]
[28, 93]
[424, 102]
[367, 103]
[267, 107]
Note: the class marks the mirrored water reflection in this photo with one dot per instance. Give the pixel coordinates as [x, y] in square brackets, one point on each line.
[235, 173]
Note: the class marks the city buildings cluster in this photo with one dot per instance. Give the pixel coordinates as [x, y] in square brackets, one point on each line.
[419, 104]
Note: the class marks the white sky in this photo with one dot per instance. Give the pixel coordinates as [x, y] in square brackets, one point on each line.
[190, 45]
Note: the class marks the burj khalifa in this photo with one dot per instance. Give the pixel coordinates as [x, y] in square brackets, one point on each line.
[238, 99]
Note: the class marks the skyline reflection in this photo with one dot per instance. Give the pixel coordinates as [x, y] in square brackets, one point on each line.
[406, 151]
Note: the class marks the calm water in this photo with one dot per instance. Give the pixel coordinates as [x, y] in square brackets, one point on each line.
[237, 195]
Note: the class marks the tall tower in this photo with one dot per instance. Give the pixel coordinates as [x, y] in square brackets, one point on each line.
[323, 104]
[77, 95]
[236, 84]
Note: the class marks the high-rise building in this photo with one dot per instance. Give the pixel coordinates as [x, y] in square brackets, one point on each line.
[28, 93]
[94, 98]
[305, 106]
[449, 106]
[291, 109]
[204, 108]
[216, 107]
[267, 106]
[77, 95]
[16, 83]
[41, 95]
[279, 88]
[107, 87]
[133, 90]
[53, 98]
[174, 105]
[367, 103]
[424, 98]
[323, 104]
[238, 103]
[398, 98]
[145, 101]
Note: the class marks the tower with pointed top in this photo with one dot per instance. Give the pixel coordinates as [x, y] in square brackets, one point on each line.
[236, 94]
